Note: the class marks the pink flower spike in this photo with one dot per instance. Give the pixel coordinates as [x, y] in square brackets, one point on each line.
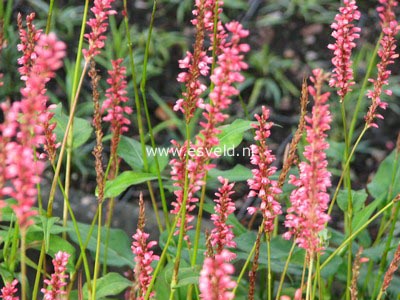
[116, 98]
[58, 278]
[25, 128]
[215, 282]
[143, 259]
[29, 38]
[388, 55]
[222, 235]
[261, 184]
[99, 24]
[9, 290]
[226, 74]
[307, 216]
[345, 34]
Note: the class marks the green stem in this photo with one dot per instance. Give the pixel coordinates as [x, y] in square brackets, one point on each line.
[269, 275]
[7, 16]
[38, 272]
[163, 256]
[361, 92]
[285, 271]
[247, 262]
[82, 255]
[139, 111]
[97, 258]
[67, 180]
[82, 247]
[309, 280]
[199, 221]
[23, 264]
[148, 119]
[63, 146]
[182, 215]
[49, 16]
[198, 231]
[349, 213]
[392, 222]
[14, 247]
[353, 150]
[354, 234]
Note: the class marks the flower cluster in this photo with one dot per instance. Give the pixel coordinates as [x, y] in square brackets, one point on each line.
[198, 63]
[143, 255]
[57, 282]
[114, 105]
[222, 235]
[345, 33]
[116, 97]
[307, 215]
[225, 75]
[29, 37]
[261, 185]
[24, 128]
[101, 10]
[387, 54]
[215, 282]
[9, 290]
[143, 258]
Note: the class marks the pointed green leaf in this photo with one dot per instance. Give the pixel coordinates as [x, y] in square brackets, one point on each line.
[232, 135]
[387, 178]
[119, 245]
[81, 134]
[124, 180]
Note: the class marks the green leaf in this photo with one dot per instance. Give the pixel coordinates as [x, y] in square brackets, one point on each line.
[364, 214]
[232, 135]
[237, 173]
[131, 152]
[188, 275]
[333, 266]
[124, 180]
[119, 245]
[111, 284]
[55, 243]
[82, 128]
[388, 173]
[47, 224]
[163, 281]
[358, 199]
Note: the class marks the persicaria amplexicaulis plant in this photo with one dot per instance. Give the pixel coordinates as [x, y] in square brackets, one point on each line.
[243, 204]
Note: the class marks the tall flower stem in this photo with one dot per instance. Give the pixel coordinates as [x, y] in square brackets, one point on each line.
[355, 233]
[75, 90]
[269, 273]
[163, 256]
[139, 109]
[23, 264]
[146, 110]
[76, 87]
[349, 213]
[361, 92]
[82, 247]
[347, 164]
[97, 258]
[49, 16]
[247, 262]
[182, 216]
[309, 279]
[64, 143]
[199, 221]
[278, 293]
[392, 222]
